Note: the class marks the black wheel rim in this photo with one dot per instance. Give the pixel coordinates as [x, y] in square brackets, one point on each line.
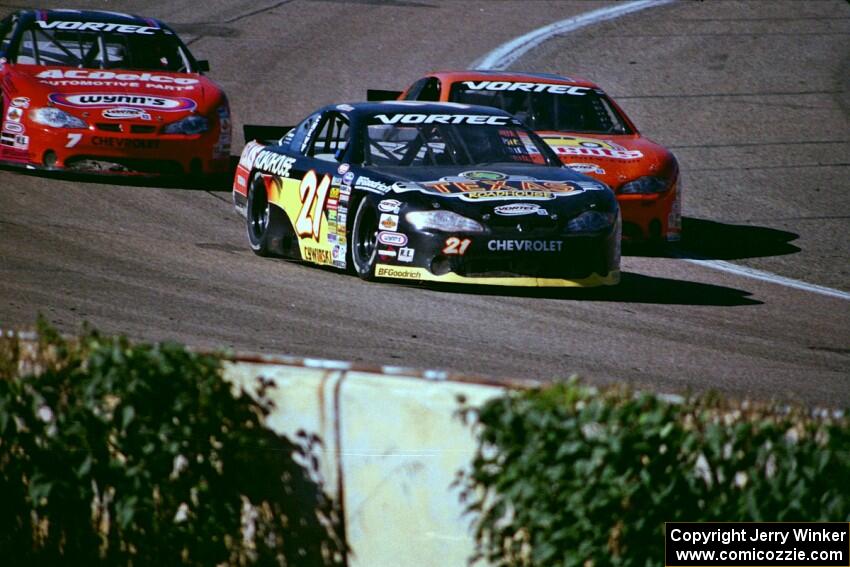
[366, 241]
[259, 214]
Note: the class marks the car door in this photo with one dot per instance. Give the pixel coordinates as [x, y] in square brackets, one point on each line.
[311, 198]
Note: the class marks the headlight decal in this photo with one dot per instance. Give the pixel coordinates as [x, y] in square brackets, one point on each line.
[443, 220]
[55, 118]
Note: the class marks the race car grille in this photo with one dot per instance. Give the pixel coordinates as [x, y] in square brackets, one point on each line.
[530, 266]
[134, 128]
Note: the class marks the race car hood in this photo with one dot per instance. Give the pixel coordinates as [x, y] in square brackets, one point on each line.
[615, 160]
[499, 184]
[119, 94]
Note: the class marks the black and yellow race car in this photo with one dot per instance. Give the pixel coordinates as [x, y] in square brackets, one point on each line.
[426, 192]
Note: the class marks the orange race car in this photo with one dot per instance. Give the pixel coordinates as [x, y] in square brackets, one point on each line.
[587, 130]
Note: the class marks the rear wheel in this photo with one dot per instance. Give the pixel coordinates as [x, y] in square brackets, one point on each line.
[364, 240]
[269, 232]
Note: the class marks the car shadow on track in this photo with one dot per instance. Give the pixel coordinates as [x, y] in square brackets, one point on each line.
[633, 288]
[710, 240]
[217, 183]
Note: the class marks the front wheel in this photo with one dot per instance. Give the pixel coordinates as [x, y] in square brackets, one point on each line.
[364, 240]
[269, 233]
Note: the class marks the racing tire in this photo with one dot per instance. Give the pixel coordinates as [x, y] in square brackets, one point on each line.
[364, 240]
[269, 232]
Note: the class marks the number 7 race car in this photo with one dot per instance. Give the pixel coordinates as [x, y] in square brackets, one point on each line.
[107, 92]
[585, 128]
[426, 192]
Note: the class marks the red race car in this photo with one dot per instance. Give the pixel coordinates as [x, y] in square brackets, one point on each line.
[587, 130]
[105, 92]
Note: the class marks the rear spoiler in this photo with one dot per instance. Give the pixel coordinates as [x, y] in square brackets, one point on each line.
[375, 95]
[267, 134]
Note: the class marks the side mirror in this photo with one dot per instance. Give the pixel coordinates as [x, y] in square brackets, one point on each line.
[203, 66]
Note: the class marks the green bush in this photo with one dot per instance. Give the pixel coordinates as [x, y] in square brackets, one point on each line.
[569, 475]
[143, 455]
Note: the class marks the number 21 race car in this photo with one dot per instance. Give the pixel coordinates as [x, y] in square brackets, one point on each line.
[585, 128]
[107, 92]
[426, 192]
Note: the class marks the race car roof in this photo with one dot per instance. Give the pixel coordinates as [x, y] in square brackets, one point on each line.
[514, 77]
[103, 16]
[359, 110]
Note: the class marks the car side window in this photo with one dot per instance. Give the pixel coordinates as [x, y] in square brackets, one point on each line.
[298, 141]
[6, 28]
[414, 90]
[430, 90]
[331, 138]
[427, 89]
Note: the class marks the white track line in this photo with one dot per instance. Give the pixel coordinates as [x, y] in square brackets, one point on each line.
[504, 55]
[509, 52]
[768, 277]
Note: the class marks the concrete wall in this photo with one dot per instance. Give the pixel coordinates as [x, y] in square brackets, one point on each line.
[392, 446]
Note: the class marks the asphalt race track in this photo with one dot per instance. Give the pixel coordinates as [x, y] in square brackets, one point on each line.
[753, 97]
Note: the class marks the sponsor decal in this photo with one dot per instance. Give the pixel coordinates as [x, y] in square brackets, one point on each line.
[368, 184]
[392, 238]
[241, 181]
[391, 272]
[334, 194]
[87, 74]
[332, 215]
[444, 119]
[348, 177]
[343, 167]
[590, 186]
[406, 254]
[483, 175]
[388, 253]
[274, 163]
[389, 206]
[510, 194]
[388, 221]
[520, 209]
[317, 255]
[249, 154]
[586, 168]
[97, 27]
[525, 245]
[505, 188]
[342, 216]
[122, 113]
[124, 143]
[101, 100]
[589, 147]
[20, 101]
[337, 250]
[455, 246]
[525, 87]
[13, 127]
[14, 114]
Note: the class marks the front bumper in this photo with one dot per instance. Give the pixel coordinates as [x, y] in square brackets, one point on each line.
[421, 274]
[97, 151]
[529, 258]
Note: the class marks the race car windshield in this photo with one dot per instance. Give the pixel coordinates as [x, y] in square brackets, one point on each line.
[157, 51]
[586, 112]
[437, 144]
